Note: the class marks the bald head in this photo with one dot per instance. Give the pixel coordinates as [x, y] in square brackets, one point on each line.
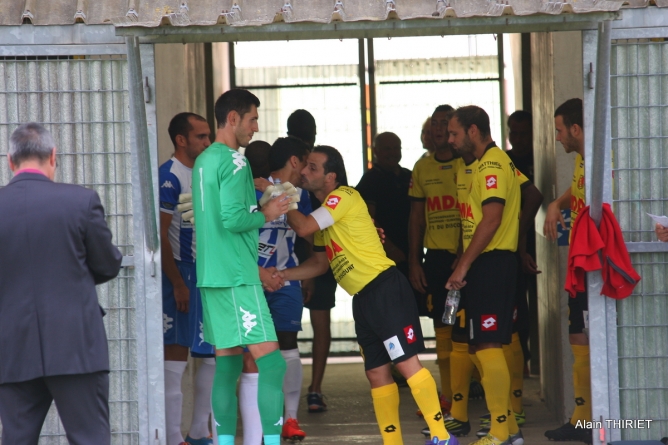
[387, 148]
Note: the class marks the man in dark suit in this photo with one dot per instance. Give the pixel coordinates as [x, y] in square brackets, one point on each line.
[55, 246]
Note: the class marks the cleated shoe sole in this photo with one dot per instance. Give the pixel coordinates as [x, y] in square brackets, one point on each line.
[457, 428]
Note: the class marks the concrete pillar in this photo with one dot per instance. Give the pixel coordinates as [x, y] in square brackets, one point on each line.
[556, 71]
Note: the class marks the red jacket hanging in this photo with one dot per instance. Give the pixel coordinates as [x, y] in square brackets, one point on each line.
[593, 249]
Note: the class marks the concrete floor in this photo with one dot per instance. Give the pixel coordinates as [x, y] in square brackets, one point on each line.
[350, 418]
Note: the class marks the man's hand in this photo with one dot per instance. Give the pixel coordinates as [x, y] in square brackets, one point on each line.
[553, 217]
[456, 280]
[271, 280]
[182, 297]
[661, 233]
[380, 231]
[275, 207]
[261, 184]
[308, 288]
[529, 265]
[417, 278]
[186, 207]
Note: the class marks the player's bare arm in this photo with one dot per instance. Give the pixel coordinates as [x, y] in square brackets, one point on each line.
[416, 228]
[555, 216]
[492, 214]
[181, 292]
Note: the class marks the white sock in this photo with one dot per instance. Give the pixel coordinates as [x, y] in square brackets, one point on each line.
[199, 427]
[173, 400]
[250, 413]
[292, 383]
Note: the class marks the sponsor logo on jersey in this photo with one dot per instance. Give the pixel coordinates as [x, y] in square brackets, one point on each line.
[468, 171]
[577, 204]
[266, 250]
[332, 201]
[248, 318]
[410, 334]
[445, 202]
[393, 347]
[239, 161]
[465, 211]
[167, 185]
[581, 182]
[490, 182]
[444, 167]
[333, 250]
[488, 322]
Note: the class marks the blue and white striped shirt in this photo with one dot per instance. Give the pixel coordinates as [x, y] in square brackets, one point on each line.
[175, 178]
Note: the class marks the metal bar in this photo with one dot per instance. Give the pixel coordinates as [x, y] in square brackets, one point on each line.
[361, 72]
[371, 69]
[232, 64]
[138, 113]
[647, 247]
[78, 34]
[502, 87]
[61, 50]
[403, 82]
[306, 85]
[368, 29]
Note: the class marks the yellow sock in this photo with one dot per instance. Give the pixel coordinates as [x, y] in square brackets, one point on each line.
[461, 368]
[510, 360]
[443, 350]
[386, 407]
[581, 384]
[517, 374]
[478, 367]
[423, 388]
[496, 381]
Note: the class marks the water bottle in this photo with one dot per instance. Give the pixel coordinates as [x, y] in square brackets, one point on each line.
[281, 219]
[451, 306]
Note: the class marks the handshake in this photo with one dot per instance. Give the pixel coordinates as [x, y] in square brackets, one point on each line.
[185, 206]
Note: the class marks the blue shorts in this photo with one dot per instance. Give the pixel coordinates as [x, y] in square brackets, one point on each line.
[179, 328]
[286, 306]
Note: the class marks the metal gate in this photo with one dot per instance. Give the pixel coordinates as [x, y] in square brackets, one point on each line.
[639, 124]
[84, 102]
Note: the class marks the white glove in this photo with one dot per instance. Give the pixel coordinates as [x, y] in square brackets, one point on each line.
[287, 188]
[186, 207]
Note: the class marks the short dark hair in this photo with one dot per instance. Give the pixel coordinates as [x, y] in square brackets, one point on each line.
[283, 149]
[520, 116]
[473, 115]
[334, 163]
[301, 124]
[180, 125]
[570, 112]
[441, 108]
[236, 99]
[257, 154]
[30, 141]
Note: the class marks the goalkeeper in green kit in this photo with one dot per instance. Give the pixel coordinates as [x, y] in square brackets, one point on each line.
[235, 310]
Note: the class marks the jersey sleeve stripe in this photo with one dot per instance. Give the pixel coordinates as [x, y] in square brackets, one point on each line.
[494, 199]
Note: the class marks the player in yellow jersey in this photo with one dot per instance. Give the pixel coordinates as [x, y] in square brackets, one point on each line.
[386, 317]
[568, 124]
[488, 268]
[434, 223]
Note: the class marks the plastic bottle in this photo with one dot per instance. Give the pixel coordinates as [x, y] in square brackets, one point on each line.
[281, 219]
[451, 306]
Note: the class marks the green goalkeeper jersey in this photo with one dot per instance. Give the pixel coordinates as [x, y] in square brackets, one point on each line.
[226, 218]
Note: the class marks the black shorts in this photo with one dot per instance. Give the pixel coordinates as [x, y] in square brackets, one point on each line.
[386, 320]
[490, 297]
[460, 328]
[437, 269]
[324, 294]
[578, 313]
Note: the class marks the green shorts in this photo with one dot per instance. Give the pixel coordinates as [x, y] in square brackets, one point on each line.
[236, 316]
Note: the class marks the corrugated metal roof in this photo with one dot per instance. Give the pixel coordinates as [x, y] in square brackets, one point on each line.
[154, 13]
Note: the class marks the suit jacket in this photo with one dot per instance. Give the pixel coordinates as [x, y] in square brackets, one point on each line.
[55, 246]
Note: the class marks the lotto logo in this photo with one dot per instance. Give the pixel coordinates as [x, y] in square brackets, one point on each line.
[410, 334]
[332, 201]
[490, 182]
[488, 323]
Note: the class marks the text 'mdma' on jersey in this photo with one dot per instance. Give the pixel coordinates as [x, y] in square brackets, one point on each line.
[354, 250]
[495, 180]
[226, 218]
[434, 182]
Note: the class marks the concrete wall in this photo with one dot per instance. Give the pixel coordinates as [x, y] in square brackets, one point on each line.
[556, 64]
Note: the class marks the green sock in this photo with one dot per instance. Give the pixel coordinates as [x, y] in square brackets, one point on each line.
[224, 395]
[271, 369]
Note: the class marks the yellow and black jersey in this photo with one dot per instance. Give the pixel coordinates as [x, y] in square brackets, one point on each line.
[354, 250]
[577, 188]
[495, 179]
[434, 182]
